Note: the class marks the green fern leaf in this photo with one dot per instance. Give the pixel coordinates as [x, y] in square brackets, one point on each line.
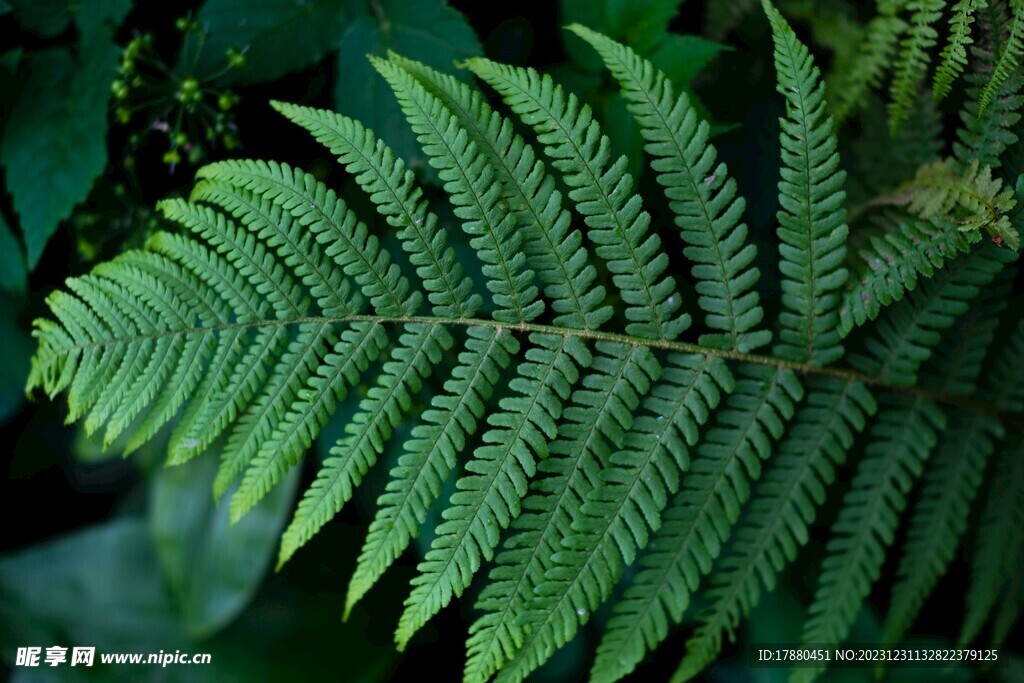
[848, 89]
[633, 487]
[602, 192]
[1000, 537]
[552, 250]
[702, 196]
[901, 440]
[953, 57]
[393, 191]
[714, 489]
[600, 414]
[418, 350]
[1009, 60]
[783, 506]
[811, 228]
[430, 455]
[912, 65]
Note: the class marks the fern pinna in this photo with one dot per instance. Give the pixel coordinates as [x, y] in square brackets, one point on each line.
[583, 433]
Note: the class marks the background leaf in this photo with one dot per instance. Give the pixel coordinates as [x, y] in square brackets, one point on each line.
[278, 36]
[54, 142]
[213, 567]
[428, 31]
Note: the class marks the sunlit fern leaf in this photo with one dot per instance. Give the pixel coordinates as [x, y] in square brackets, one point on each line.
[973, 199]
[1010, 58]
[596, 421]
[914, 57]
[243, 331]
[783, 505]
[702, 196]
[811, 232]
[714, 489]
[953, 57]
[603, 194]
[1000, 537]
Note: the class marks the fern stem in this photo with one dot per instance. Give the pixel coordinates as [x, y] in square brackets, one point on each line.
[845, 374]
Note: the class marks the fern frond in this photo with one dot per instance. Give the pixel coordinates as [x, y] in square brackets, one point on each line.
[393, 190]
[320, 210]
[939, 518]
[313, 380]
[907, 336]
[901, 441]
[418, 350]
[914, 56]
[1000, 538]
[553, 250]
[811, 231]
[775, 523]
[489, 496]
[469, 181]
[596, 421]
[430, 455]
[973, 199]
[701, 195]
[716, 486]
[603, 194]
[848, 89]
[1010, 58]
[633, 487]
[986, 134]
[953, 57]
[893, 262]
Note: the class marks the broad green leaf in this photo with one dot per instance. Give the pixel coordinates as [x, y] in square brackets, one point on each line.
[54, 142]
[43, 17]
[428, 31]
[213, 568]
[12, 260]
[277, 36]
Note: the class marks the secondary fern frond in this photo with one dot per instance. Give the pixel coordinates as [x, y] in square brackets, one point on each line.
[848, 89]
[1010, 58]
[913, 60]
[953, 57]
[812, 233]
